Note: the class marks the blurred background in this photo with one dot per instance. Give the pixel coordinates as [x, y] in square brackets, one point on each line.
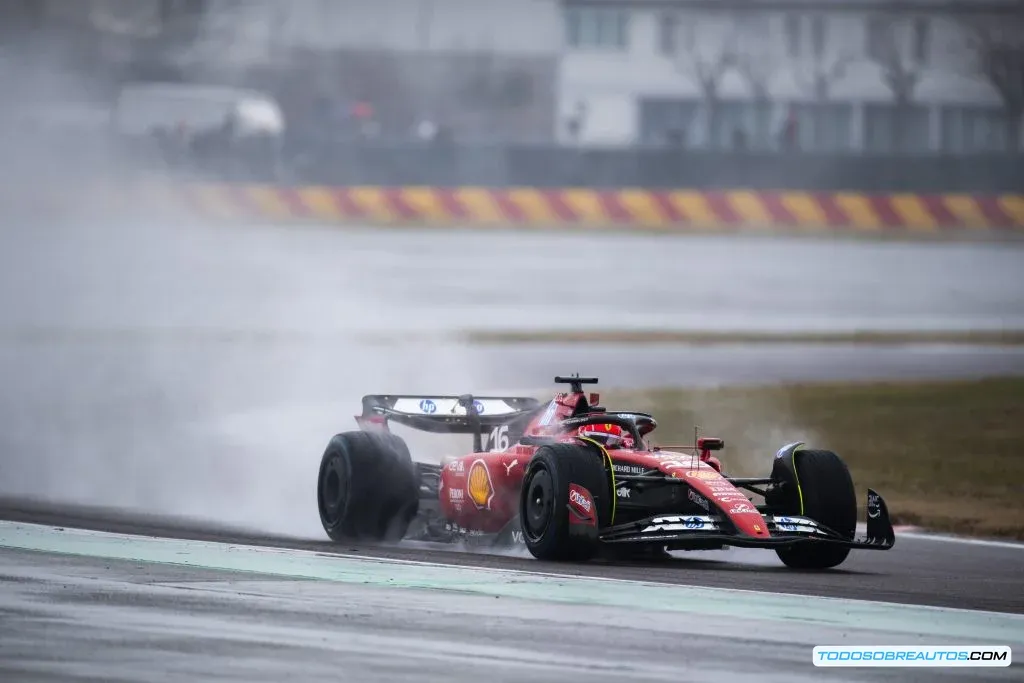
[915, 95]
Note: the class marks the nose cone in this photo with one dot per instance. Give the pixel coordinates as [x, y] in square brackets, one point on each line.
[731, 501]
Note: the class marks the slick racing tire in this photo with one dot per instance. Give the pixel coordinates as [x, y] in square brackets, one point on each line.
[824, 484]
[552, 530]
[367, 489]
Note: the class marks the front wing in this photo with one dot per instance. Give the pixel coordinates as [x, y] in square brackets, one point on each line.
[701, 530]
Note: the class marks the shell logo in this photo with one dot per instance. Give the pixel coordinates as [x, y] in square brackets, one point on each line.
[478, 484]
[703, 474]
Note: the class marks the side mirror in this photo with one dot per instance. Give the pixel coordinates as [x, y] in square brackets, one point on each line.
[645, 425]
[706, 444]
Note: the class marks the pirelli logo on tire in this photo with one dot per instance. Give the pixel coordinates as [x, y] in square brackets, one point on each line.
[479, 486]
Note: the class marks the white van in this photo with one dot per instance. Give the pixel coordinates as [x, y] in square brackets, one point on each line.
[143, 108]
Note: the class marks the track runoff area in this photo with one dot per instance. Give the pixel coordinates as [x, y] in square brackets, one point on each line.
[831, 632]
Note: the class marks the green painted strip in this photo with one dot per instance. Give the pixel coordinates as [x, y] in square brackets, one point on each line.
[833, 612]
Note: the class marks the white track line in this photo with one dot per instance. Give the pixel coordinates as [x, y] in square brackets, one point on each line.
[919, 534]
[525, 573]
[923, 536]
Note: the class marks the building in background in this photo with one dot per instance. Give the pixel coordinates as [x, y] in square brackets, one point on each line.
[905, 76]
[483, 70]
[823, 75]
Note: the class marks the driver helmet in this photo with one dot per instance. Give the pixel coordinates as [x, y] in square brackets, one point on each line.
[608, 435]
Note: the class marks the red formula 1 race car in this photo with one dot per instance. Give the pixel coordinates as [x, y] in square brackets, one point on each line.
[572, 481]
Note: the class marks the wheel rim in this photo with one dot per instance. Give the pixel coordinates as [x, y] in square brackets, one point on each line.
[540, 505]
[332, 490]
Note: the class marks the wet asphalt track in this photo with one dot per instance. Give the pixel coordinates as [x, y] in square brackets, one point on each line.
[70, 618]
[304, 279]
[917, 570]
[73, 619]
[193, 372]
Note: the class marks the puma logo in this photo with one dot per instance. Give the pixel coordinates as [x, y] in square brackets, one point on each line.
[508, 467]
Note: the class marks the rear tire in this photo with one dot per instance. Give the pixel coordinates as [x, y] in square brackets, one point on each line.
[544, 502]
[829, 498]
[367, 489]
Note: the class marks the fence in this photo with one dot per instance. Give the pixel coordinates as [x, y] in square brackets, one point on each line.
[552, 166]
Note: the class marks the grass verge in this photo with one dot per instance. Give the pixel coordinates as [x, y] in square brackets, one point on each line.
[946, 455]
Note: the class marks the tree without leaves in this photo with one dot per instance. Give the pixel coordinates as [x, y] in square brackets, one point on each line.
[817, 76]
[996, 47]
[704, 67]
[900, 72]
[758, 57]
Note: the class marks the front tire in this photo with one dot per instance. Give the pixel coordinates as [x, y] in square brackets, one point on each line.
[367, 489]
[550, 531]
[817, 484]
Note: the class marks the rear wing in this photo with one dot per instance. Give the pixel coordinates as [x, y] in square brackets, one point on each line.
[466, 414]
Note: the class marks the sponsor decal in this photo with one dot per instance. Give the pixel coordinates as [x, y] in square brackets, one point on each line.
[623, 468]
[779, 453]
[729, 497]
[517, 536]
[456, 495]
[786, 524]
[463, 531]
[622, 492]
[508, 467]
[679, 524]
[581, 504]
[675, 461]
[428, 406]
[478, 407]
[699, 499]
[757, 528]
[742, 509]
[672, 456]
[874, 509]
[456, 467]
[709, 473]
[479, 485]
[580, 500]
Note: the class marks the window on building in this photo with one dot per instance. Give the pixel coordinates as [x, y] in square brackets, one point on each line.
[824, 126]
[597, 27]
[668, 31]
[891, 129]
[753, 23]
[879, 37]
[972, 129]
[669, 122]
[793, 35]
[818, 35]
[921, 40]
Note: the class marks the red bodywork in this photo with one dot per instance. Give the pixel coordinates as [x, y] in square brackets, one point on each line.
[480, 491]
